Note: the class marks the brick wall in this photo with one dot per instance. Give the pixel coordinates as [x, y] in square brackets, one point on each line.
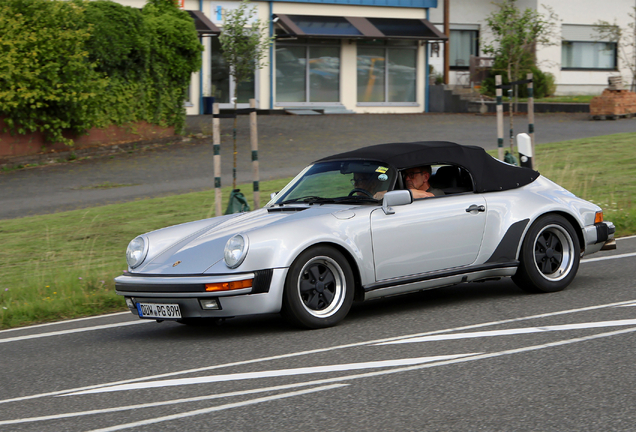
[34, 143]
[613, 102]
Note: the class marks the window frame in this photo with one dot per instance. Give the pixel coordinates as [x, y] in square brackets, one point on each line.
[387, 48]
[598, 69]
[307, 44]
[232, 86]
[476, 46]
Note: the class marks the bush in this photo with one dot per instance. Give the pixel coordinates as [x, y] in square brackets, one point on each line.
[47, 82]
[544, 84]
[77, 64]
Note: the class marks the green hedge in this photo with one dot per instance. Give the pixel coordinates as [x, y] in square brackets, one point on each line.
[74, 65]
[543, 84]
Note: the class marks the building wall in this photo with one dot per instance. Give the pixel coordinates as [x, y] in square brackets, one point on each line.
[583, 12]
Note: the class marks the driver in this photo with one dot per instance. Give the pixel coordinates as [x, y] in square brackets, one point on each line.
[368, 182]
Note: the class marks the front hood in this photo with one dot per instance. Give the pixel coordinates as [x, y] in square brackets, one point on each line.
[191, 249]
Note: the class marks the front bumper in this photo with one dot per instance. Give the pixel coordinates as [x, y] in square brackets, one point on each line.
[265, 296]
[598, 237]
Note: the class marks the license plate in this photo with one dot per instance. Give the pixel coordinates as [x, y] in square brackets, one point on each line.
[155, 310]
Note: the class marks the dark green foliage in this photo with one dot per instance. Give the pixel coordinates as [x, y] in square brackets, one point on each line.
[118, 44]
[77, 65]
[543, 84]
[175, 53]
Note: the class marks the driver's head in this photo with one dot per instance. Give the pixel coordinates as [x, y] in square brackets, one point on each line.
[366, 181]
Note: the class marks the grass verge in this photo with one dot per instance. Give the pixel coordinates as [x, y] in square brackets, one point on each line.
[62, 265]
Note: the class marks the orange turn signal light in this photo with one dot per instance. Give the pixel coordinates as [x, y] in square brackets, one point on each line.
[228, 286]
[599, 217]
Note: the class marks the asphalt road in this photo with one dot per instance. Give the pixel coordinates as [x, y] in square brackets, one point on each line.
[474, 357]
[286, 145]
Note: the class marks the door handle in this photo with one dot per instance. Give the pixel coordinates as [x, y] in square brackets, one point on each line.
[475, 208]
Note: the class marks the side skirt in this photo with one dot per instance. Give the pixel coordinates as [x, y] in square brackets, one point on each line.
[438, 279]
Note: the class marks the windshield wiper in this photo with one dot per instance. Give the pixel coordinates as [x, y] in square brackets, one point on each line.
[309, 199]
[356, 198]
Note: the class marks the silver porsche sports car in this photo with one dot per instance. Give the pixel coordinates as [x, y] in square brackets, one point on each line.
[348, 228]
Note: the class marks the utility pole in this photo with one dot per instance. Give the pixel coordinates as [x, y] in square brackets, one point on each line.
[447, 42]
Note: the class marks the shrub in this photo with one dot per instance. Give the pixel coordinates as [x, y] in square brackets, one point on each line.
[77, 64]
[544, 84]
[47, 82]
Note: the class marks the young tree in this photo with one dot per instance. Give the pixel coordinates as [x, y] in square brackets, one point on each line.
[245, 46]
[515, 36]
[625, 39]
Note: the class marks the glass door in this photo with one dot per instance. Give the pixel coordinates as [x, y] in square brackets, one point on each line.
[223, 88]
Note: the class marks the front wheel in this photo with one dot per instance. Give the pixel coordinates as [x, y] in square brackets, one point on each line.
[549, 257]
[319, 288]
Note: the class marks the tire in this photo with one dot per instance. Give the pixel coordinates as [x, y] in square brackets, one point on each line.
[319, 288]
[549, 257]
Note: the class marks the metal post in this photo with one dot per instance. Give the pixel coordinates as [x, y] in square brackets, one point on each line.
[499, 118]
[531, 112]
[446, 43]
[254, 141]
[216, 142]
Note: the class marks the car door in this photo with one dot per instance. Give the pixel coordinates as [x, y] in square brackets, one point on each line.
[430, 234]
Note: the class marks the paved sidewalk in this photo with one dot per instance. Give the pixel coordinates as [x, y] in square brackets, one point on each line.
[287, 144]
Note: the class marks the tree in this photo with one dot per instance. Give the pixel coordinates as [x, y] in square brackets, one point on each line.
[516, 35]
[245, 46]
[625, 40]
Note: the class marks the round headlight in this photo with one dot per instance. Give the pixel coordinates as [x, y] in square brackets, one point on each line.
[235, 251]
[136, 252]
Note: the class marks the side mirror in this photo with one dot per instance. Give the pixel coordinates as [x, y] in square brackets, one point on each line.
[396, 198]
[272, 195]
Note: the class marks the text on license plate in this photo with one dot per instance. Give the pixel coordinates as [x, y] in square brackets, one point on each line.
[154, 310]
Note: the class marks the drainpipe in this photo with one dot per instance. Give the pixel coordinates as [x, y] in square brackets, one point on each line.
[201, 71]
[426, 73]
[271, 58]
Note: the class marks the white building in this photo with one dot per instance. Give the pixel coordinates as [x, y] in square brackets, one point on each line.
[373, 56]
[580, 61]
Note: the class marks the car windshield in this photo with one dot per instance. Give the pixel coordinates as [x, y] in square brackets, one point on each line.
[338, 181]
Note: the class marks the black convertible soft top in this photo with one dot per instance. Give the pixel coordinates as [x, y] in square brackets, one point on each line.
[489, 174]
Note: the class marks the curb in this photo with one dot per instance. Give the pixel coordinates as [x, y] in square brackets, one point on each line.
[39, 159]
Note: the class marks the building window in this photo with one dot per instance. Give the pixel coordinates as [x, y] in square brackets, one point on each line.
[223, 88]
[588, 55]
[463, 44]
[308, 72]
[386, 72]
[583, 48]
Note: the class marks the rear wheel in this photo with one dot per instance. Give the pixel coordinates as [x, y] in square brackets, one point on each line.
[549, 257]
[319, 288]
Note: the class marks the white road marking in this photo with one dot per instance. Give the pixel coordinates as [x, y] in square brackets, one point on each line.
[218, 408]
[373, 374]
[155, 404]
[70, 331]
[315, 351]
[627, 255]
[273, 373]
[626, 238]
[627, 305]
[65, 322]
[517, 331]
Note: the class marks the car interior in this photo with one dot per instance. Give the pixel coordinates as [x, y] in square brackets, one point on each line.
[451, 179]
